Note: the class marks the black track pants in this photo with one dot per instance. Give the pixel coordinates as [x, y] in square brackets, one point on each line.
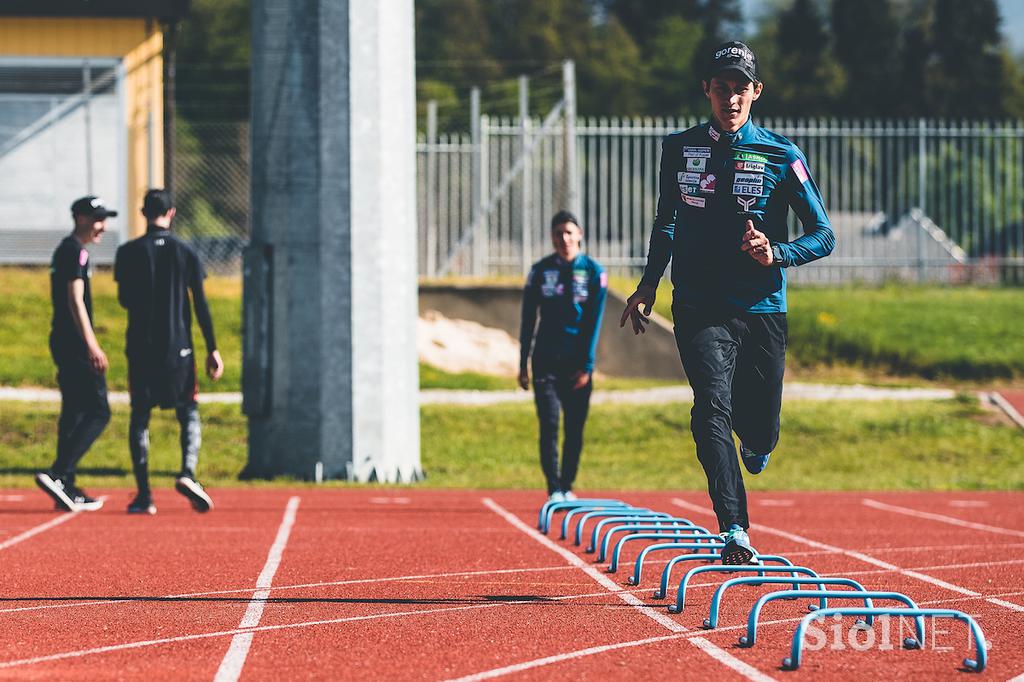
[553, 394]
[84, 413]
[735, 365]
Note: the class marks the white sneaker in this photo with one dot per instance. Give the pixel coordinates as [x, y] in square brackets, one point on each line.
[569, 496]
[557, 496]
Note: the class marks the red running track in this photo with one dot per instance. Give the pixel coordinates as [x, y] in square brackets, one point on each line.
[440, 585]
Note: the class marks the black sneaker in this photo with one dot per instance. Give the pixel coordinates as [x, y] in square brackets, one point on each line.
[54, 487]
[82, 500]
[142, 504]
[190, 488]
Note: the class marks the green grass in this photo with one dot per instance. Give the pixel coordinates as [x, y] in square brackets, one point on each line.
[25, 312]
[963, 334]
[947, 445]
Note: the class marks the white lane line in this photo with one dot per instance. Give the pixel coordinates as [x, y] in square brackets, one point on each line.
[231, 667]
[605, 582]
[723, 657]
[856, 555]
[276, 588]
[558, 658]
[942, 518]
[41, 528]
[599, 577]
[288, 626]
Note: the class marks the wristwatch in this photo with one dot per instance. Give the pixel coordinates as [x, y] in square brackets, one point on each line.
[777, 254]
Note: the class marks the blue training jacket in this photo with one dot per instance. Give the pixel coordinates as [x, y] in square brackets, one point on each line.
[571, 300]
[708, 181]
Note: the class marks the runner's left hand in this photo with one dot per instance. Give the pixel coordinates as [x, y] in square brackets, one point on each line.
[214, 365]
[756, 244]
[580, 379]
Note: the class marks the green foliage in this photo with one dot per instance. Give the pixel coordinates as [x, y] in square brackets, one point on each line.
[825, 446]
[934, 333]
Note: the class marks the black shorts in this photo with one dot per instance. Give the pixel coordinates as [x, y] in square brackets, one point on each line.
[162, 384]
[81, 388]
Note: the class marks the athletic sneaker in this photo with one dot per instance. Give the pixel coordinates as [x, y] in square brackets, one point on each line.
[82, 500]
[754, 463]
[142, 504]
[737, 550]
[557, 496]
[569, 496]
[190, 488]
[54, 487]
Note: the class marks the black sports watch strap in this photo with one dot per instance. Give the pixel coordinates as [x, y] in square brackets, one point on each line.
[777, 255]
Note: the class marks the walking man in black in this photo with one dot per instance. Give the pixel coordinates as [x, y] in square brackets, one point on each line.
[155, 274]
[81, 363]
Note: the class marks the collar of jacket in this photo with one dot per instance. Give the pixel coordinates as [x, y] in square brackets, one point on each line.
[741, 135]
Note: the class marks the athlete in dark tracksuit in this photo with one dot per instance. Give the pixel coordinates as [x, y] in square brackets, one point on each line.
[726, 187]
[155, 274]
[81, 363]
[569, 288]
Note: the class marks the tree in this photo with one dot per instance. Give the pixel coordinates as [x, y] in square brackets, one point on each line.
[968, 74]
[805, 78]
[867, 38]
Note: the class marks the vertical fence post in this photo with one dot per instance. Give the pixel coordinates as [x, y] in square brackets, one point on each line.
[431, 203]
[87, 110]
[570, 191]
[479, 244]
[483, 234]
[526, 195]
[922, 158]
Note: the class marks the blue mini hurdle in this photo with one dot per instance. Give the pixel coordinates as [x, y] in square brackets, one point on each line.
[667, 572]
[976, 664]
[681, 596]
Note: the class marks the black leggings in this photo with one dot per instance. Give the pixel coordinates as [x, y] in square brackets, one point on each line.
[553, 393]
[735, 365]
[138, 441]
[84, 413]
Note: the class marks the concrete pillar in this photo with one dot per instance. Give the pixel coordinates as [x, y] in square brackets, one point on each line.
[330, 379]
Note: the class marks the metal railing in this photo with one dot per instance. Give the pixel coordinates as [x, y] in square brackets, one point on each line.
[918, 200]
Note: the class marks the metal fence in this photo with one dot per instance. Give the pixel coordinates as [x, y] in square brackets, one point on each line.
[919, 200]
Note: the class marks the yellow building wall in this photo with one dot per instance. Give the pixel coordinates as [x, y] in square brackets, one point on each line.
[139, 44]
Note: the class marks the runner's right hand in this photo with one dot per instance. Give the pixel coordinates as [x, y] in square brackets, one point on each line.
[644, 296]
[98, 360]
[524, 379]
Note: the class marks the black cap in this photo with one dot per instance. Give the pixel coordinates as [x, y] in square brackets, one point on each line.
[92, 206]
[733, 56]
[157, 203]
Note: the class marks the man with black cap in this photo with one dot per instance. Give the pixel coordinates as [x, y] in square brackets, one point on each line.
[726, 187]
[568, 288]
[81, 362]
[155, 274]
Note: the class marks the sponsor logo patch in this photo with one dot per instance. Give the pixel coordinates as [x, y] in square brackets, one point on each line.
[714, 134]
[580, 291]
[83, 257]
[800, 170]
[688, 178]
[697, 152]
[604, 280]
[750, 166]
[685, 190]
[550, 287]
[750, 156]
[707, 183]
[749, 179]
[746, 204]
[749, 190]
[699, 202]
[694, 164]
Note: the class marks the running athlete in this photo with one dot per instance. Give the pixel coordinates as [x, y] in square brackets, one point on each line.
[155, 274]
[726, 187]
[569, 287]
[81, 362]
